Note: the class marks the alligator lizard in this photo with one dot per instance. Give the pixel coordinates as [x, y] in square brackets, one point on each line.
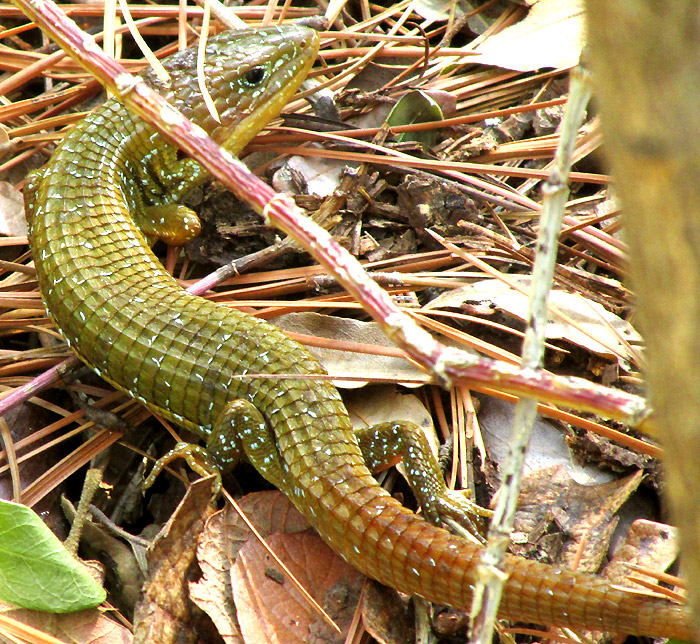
[113, 185]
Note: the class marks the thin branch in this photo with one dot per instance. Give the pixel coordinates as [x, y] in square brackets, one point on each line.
[491, 577]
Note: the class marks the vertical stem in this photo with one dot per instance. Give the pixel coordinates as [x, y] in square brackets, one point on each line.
[488, 592]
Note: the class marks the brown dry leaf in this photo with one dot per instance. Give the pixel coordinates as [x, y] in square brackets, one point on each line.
[341, 364]
[165, 613]
[382, 403]
[12, 219]
[439, 11]
[270, 609]
[83, 627]
[320, 176]
[23, 421]
[600, 330]
[386, 617]
[227, 579]
[551, 35]
[218, 547]
[269, 512]
[648, 545]
[550, 498]
[547, 447]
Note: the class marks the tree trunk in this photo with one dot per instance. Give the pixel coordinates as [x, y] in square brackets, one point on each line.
[646, 63]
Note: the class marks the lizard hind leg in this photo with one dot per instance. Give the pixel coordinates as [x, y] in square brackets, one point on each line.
[385, 444]
[240, 431]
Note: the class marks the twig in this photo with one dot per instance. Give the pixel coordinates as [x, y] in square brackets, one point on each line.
[491, 577]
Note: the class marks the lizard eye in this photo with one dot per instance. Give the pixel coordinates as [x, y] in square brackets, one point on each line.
[254, 76]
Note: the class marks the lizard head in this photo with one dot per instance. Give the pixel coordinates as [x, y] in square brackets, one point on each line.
[250, 75]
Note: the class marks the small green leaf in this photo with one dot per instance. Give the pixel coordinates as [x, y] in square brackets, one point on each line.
[36, 571]
[416, 107]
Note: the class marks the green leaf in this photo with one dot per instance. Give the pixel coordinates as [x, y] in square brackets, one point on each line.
[416, 107]
[36, 571]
